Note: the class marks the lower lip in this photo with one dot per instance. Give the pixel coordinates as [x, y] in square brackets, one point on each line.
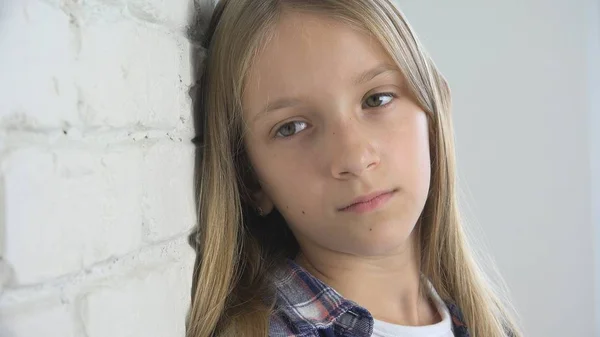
[370, 205]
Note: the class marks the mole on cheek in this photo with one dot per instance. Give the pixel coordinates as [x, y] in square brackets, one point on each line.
[370, 229]
[303, 212]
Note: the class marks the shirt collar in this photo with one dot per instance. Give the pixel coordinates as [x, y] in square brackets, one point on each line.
[308, 304]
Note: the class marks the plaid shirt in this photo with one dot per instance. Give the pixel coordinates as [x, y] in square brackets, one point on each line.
[306, 307]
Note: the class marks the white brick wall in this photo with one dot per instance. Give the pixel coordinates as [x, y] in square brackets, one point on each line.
[95, 168]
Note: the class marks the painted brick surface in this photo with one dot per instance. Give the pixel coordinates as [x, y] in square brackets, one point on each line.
[95, 168]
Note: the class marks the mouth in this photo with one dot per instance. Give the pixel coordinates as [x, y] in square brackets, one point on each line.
[369, 202]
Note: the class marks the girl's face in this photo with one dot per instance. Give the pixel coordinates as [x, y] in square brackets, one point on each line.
[330, 120]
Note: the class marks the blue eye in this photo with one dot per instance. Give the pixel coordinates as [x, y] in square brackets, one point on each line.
[291, 128]
[379, 100]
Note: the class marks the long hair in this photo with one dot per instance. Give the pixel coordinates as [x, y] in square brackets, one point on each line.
[236, 250]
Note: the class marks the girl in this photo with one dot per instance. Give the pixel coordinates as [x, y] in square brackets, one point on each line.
[325, 183]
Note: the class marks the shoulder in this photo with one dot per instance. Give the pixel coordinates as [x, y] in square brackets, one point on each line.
[305, 306]
[280, 325]
[296, 298]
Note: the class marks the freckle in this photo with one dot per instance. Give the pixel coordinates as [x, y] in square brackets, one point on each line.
[370, 229]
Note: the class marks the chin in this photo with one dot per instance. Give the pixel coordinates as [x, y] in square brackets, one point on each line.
[382, 239]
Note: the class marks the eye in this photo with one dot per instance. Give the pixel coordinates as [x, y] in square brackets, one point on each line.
[379, 100]
[291, 128]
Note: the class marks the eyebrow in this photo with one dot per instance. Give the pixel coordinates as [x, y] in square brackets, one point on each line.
[374, 72]
[362, 78]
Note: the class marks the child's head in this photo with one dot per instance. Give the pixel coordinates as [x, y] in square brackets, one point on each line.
[329, 118]
[303, 106]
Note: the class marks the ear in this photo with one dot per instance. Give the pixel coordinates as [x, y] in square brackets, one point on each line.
[263, 201]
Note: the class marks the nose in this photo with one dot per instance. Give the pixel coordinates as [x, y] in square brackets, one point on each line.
[352, 151]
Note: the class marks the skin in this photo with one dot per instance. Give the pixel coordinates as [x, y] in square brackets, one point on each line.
[337, 141]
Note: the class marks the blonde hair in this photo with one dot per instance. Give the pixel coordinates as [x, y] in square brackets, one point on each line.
[237, 250]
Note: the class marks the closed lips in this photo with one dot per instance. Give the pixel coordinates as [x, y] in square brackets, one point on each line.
[366, 198]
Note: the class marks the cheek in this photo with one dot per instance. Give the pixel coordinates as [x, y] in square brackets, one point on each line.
[409, 155]
[284, 179]
[422, 156]
[421, 147]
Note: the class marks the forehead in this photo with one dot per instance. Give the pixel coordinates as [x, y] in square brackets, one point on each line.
[311, 54]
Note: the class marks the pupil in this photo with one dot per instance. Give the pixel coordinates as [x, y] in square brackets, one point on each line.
[288, 129]
[374, 100]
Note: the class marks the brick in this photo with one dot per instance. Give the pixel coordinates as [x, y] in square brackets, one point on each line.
[171, 13]
[67, 209]
[168, 202]
[91, 66]
[148, 303]
[6, 272]
[41, 319]
[129, 73]
[36, 86]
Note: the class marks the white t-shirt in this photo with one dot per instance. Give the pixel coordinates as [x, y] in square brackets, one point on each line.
[440, 329]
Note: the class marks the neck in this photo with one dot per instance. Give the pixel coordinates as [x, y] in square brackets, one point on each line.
[389, 287]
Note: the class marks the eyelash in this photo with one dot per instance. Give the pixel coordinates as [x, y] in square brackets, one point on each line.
[381, 94]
